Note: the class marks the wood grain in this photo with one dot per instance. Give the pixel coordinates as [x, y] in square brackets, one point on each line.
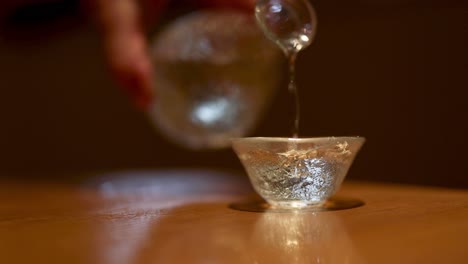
[184, 217]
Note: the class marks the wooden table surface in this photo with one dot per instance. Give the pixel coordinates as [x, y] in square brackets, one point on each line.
[186, 217]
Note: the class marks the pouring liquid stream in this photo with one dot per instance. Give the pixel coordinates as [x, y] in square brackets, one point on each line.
[292, 87]
[291, 24]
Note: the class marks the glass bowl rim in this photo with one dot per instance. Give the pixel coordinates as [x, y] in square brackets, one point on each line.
[298, 140]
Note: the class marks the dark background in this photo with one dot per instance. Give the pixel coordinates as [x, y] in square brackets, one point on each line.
[392, 71]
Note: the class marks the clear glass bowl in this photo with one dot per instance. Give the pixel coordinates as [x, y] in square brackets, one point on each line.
[297, 172]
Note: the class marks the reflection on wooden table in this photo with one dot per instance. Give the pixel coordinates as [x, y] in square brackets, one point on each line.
[185, 217]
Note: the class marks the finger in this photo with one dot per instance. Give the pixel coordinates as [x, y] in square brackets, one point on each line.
[125, 47]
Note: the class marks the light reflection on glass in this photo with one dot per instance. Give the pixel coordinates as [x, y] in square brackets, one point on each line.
[218, 111]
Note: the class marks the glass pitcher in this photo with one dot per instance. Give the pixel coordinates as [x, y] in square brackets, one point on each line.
[215, 75]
